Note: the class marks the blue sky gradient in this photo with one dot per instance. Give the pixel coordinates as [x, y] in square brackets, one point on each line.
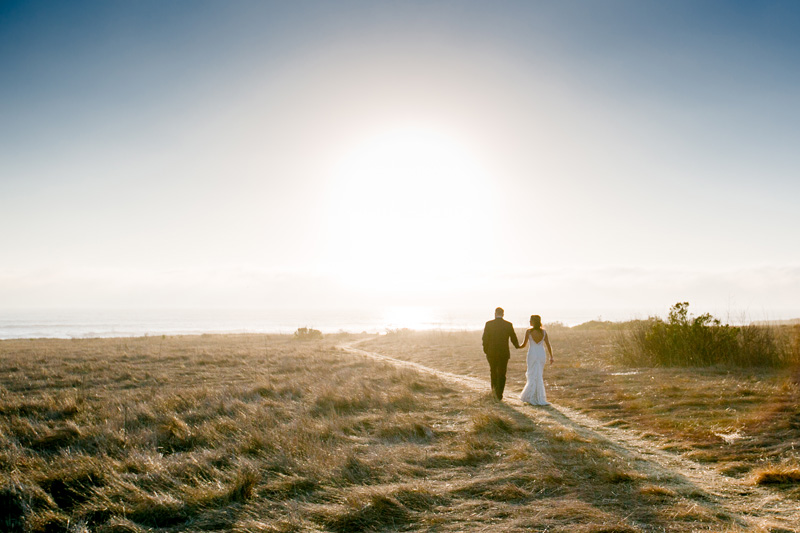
[619, 155]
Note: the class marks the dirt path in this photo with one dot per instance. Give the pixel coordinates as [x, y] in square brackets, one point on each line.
[753, 507]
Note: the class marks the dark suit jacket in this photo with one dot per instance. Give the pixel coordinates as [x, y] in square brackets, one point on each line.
[496, 335]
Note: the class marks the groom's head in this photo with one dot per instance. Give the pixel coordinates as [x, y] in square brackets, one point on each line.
[498, 313]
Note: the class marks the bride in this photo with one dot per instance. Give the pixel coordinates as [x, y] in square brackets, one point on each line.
[533, 393]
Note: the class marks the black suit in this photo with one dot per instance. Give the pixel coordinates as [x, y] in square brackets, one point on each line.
[496, 335]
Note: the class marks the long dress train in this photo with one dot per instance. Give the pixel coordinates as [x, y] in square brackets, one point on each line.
[533, 393]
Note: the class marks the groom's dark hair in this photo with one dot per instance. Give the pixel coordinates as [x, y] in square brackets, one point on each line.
[499, 312]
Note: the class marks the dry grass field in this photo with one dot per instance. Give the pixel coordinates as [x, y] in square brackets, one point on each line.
[744, 422]
[252, 433]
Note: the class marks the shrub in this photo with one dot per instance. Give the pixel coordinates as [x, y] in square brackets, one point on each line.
[307, 334]
[687, 341]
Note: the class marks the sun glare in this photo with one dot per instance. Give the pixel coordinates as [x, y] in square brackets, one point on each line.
[409, 204]
[417, 318]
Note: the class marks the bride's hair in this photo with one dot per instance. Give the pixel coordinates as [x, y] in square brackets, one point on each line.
[536, 322]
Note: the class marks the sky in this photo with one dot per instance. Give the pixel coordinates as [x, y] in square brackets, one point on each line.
[423, 160]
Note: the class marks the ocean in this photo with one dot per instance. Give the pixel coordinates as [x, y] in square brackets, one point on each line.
[83, 323]
[88, 323]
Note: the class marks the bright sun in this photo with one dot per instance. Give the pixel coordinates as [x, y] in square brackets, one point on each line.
[410, 205]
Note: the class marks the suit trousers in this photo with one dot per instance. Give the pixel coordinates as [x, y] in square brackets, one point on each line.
[497, 367]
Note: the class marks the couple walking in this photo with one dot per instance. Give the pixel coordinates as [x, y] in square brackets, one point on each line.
[496, 335]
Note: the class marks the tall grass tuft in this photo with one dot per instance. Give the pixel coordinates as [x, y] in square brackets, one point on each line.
[686, 341]
[777, 475]
[492, 424]
[368, 512]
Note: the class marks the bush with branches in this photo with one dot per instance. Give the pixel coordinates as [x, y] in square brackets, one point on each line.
[307, 334]
[684, 340]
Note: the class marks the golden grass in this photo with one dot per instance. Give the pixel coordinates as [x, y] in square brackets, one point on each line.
[736, 419]
[657, 492]
[247, 433]
[777, 475]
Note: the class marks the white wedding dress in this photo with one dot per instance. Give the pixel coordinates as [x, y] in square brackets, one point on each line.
[533, 393]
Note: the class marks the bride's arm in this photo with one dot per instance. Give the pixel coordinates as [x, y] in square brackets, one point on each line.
[549, 348]
[525, 341]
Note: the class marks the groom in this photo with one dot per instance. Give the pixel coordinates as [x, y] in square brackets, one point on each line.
[496, 335]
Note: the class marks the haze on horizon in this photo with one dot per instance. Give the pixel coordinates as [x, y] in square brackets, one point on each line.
[614, 157]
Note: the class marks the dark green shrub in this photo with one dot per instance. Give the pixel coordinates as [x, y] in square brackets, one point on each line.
[683, 340]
